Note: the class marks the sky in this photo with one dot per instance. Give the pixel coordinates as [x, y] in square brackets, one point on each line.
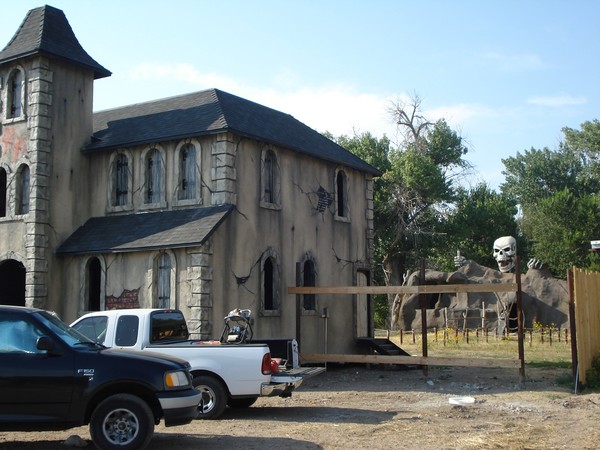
[506, 75]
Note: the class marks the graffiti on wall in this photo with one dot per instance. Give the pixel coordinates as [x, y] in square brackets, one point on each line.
[127, 299]
[14, 143]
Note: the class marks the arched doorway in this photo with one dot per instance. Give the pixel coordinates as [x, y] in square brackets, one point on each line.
[12, 283]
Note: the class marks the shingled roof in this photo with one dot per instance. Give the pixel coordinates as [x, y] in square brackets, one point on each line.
[46, 31]
[145, 231]
[210, 112]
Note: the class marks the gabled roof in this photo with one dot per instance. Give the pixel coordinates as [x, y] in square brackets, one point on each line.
[46, 31]
[210, 112]
[145, 231]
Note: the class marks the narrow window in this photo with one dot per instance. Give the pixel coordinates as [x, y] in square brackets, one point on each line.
[23, 189]
[341, 193]
[187, 173]
[94, 279]
[268, 285]
[153, 177]
[309, 300]
[15, 94]
[163, 295]
[268, 174]
[270, 182]
[2, 192]
[121, 181]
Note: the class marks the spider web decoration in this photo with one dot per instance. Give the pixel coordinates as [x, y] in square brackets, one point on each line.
[325, 199]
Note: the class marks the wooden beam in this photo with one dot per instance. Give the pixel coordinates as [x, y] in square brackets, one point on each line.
[409, 360]
[427, 289]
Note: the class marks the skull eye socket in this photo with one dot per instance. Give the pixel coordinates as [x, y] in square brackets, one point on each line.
[506, 249]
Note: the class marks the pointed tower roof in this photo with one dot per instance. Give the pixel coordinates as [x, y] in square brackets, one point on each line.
[46, 31]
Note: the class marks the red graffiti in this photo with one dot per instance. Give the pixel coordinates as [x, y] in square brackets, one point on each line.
[13, 143]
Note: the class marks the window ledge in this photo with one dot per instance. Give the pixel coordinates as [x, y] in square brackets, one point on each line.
[341, 218]
[273, 206]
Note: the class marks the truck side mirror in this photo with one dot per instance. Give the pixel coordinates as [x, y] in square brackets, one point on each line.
[46, 344]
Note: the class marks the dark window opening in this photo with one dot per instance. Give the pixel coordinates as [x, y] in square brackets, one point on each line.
[3, 192]
[23, 190]
[94, 284]
[121, 180]
[268, 288]
[341, 189]
[269, 181]
[187, 173]
[309, 300]
[153, 177]
[15, 95]
[164, 282]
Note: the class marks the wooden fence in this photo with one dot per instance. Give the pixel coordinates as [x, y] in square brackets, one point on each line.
[424, 360]
[584, 288]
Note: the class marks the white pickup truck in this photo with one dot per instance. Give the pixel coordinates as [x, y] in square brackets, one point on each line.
[233, 375]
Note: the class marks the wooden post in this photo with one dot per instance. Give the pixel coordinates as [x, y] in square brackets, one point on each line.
[423, 303]
[574, 358]
[520, 318]
[299, 282]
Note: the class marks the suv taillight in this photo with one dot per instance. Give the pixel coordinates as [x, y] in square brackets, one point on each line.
[266, 364]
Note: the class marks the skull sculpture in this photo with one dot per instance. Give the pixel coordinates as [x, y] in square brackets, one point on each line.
[505, 252]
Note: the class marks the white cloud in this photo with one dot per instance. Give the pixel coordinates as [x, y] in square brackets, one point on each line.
[337, 108]
[557, 101]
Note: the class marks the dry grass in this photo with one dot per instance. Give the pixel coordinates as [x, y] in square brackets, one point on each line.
[539, 348]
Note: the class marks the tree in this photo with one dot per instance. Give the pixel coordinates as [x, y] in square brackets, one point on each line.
[476, 219]
[558, 194]
[418, 177]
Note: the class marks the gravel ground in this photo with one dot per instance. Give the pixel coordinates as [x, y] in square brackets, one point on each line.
[382, 407]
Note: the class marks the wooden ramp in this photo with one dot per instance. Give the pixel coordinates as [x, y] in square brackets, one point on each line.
[381, 346]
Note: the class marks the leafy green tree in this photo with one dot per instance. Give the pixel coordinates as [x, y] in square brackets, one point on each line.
[417, 178]
[558, 195]
[476, 219]
[563, 226]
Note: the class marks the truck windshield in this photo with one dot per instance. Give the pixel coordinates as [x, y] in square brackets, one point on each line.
[69, 335]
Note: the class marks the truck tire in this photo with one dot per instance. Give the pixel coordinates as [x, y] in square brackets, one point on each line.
[242, 402]
[122, 421]
[214, 397]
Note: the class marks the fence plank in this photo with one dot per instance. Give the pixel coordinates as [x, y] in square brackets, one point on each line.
[426, 289]
[587, 319]
[409, 360]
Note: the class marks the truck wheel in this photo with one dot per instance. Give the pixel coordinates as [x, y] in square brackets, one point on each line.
[241, 402]
[214, 397]
[122, 421]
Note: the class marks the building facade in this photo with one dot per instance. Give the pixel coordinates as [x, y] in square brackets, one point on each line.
[204, 202]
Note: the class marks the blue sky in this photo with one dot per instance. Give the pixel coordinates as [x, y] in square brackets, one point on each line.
[508, 75]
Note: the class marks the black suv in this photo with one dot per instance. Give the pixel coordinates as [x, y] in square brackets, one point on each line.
[54, 378]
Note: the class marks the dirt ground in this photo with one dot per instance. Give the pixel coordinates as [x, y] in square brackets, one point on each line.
[376, 408]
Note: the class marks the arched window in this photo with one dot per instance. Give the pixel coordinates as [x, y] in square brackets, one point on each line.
[187, 185]
[163, 281]
[3, 193]
[154, 175]
[270, 284]
[121, 180]
[270, 180]
[15, 94]
[309, 279]
[22, 197]
[340, 192]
